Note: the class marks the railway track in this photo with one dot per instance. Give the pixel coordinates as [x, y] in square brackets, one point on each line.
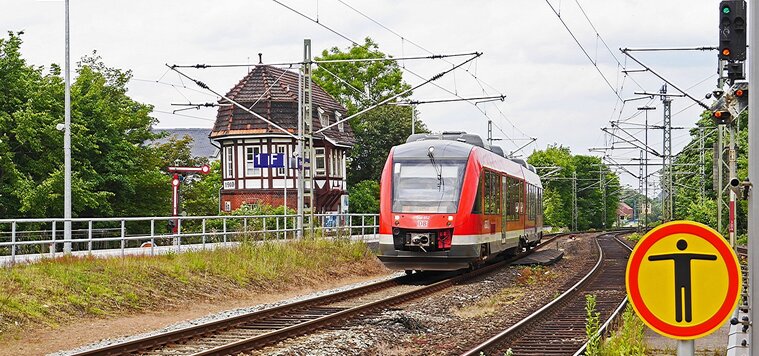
[265, 327]
[559, 327]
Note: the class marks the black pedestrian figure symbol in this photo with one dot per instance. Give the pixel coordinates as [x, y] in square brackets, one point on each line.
[682, 277]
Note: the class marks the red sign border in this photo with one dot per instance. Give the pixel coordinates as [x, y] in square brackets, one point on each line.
[733, 271]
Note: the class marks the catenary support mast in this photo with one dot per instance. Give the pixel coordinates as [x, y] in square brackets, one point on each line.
[753, 170]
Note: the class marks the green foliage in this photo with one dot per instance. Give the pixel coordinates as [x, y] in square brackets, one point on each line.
[113, 172]
[201, 197]
[375, 82]
[629, 339]
[688, 201]
[592, 326]
[557, 193]
[634, 237]
[703, 211]
[393, 125]
[368, 82]
[364, 197]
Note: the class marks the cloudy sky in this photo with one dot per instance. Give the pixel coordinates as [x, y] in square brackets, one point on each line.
[553, 90]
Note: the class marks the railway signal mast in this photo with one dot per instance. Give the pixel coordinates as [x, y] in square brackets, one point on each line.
[176, 180]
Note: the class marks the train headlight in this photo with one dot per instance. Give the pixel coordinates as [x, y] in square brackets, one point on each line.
[450, 217]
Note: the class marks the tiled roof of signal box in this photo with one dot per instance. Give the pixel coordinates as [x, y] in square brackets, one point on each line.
[275, 94]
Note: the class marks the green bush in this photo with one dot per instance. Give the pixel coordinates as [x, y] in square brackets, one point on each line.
[629, 339]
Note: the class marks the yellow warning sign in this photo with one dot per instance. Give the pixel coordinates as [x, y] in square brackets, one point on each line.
[683, 279]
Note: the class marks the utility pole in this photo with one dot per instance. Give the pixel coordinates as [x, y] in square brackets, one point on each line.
[67, 143]
[574, 201]
[645, 162]
[753, 172]
[602, 183]
[702, 162]
[298, 165]
[719, 156]
[667, 196]
[413, 118]
[490, 132]
[641, 205]
[731, 164]
[307, 184]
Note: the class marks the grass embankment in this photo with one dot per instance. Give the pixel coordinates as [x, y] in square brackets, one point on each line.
[54, 292]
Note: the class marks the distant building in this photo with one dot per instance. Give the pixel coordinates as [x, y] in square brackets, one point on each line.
[201, 144]
[624, 213]
[273, 94]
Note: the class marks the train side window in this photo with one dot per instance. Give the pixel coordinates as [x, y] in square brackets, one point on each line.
[512, 199]
[492, 193]
[477, 207]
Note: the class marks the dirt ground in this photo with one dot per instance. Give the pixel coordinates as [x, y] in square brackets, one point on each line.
[45, 340]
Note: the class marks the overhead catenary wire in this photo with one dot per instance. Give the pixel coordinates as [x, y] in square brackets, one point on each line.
[387, 100]
[405, 39]
[411, 72]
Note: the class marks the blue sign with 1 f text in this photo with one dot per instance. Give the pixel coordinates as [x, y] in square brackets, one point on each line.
[266, 160]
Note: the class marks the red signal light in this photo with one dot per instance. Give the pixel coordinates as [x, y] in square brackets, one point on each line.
[726, 52]
[718, 114]
[739, 93]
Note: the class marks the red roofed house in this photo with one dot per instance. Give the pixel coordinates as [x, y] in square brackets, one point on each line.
[624, 213]
[273, 94]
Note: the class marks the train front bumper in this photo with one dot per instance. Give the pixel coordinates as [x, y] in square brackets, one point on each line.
[458, 257]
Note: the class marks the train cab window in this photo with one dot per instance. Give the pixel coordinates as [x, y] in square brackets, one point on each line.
[425, 186]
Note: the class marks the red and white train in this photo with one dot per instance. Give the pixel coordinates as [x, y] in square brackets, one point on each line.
[447, 202]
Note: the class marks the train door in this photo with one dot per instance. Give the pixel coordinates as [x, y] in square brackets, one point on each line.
[532, 210]
[504, 208]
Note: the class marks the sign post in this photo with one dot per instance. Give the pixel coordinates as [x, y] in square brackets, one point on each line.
[683, 280]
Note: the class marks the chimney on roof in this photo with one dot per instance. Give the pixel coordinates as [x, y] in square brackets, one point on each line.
[260, 58]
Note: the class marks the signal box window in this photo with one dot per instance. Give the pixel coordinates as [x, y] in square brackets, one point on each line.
[229, 172]
[320, 162]
[250, 155]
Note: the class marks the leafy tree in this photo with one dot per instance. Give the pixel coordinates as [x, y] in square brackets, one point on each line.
[557, 193]
[113, 172]
[689, 203]
[360, 84]
[557, 190]
[390, 123]
[201, 197]
[369, 82]
[364, 197]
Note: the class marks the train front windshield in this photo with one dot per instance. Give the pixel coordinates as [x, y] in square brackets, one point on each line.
[427, 186]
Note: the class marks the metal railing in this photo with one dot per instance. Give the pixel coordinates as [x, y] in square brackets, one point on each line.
[25, 240]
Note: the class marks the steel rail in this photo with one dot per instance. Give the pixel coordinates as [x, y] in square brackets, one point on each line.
[617, 312]
[543, 311]
[156, 341]
[309, 326]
